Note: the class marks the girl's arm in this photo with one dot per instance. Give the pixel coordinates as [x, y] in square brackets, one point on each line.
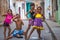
[4, 14]
[22, 22]
[35, 12]
[12, 31]
[27, 13]
[43, 17]
[14, 18]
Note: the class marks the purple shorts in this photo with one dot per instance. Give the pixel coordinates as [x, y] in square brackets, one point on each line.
[38, 22]
[31, 22]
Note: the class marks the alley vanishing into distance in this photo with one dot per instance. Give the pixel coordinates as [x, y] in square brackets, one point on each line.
[50, 10]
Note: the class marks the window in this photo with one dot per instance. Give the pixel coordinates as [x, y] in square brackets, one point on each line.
[56, 5]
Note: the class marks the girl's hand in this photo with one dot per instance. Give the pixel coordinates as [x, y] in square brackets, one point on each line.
[14, 18]
[31, 11]
[26, 14]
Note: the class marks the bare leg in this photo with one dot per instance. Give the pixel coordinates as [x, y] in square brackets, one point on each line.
[25, 35]
[30, 33]
[27, 31]
[4, 33]
[9, 31]
[28, 28]
[39, 32]
[9, 37]
[17, 35]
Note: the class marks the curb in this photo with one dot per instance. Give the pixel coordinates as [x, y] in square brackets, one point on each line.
[52, 33]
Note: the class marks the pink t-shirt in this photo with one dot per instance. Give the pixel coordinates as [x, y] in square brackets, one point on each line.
[8, 18]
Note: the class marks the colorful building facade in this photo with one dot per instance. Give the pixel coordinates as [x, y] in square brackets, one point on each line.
[58, 12]
[4, 5]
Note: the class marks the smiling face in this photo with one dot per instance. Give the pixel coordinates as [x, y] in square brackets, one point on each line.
[9, 11]
[32, 6]
[39, 9]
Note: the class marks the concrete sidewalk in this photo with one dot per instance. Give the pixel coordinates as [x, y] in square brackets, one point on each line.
[55, 29]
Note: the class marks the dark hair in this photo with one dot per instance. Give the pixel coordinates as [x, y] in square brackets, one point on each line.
[32, 4]
[10, 10]
[39, 7]
[17, 14]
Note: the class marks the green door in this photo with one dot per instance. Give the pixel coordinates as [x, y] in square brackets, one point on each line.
[28, 7]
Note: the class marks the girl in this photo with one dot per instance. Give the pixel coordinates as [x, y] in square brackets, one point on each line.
[37, 23]
[7, 21]
[31, 17]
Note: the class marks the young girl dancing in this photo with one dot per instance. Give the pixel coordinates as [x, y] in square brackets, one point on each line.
[37, 23]
[7, 21]
[31, 17]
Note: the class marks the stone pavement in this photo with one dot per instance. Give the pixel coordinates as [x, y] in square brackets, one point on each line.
[45, 34]
[55, 28]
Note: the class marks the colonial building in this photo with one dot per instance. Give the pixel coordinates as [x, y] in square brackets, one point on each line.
[3, 8]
